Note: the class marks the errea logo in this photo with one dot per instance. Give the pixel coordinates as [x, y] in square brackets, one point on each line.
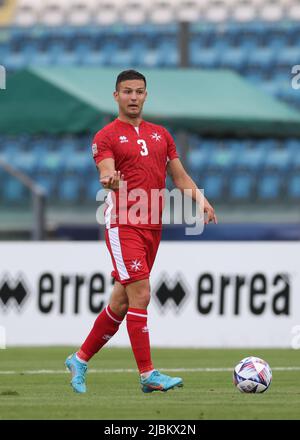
[123, 139]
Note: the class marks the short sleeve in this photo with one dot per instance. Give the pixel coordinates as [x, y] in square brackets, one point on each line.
[172, 152]
[102, 147]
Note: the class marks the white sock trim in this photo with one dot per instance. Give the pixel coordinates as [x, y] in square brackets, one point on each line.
[80, 360]
[111, 317]
[137, 314]
[146, 374]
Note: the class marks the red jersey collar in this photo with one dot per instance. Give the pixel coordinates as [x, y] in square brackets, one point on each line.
[128, 123]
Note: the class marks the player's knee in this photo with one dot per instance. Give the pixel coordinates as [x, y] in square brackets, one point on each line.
[143, 297]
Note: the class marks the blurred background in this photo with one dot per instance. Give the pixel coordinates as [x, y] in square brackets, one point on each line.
[245, 152]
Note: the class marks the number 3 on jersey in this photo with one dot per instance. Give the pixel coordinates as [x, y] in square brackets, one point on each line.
[144, 151]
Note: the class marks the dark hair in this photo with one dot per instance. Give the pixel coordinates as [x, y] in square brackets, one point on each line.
[129, 74]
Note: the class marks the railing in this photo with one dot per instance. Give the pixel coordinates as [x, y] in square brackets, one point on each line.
[38, 199]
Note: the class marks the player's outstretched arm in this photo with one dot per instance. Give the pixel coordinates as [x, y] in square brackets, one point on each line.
[183, 181]
[109, 177]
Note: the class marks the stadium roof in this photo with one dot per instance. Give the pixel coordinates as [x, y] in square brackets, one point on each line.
[77, 99]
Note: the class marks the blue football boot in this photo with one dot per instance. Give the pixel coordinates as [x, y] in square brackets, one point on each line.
[160, 382]
[78, 370]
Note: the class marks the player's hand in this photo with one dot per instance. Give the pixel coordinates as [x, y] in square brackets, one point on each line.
[210, 213]
[113, 181]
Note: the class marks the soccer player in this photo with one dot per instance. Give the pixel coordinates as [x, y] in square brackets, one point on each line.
[136, 152]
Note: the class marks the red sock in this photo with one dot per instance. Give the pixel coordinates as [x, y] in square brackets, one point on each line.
[105, 326]
[139, 338]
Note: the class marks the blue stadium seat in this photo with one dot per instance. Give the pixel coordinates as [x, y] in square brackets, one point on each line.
[262, 58]
[197, 159]
[79, 162]
[221, 159]
[51, 162]
[122, 57]
[213, 185]
[252, 159]
[13, 192]
[293, 187]
[288, 56]
[91, 189]
[241, 187]
[293, 145]
[68, 58]
[168, 54]
[26, 162]
[41, 58]
[69, 189]
[278, 159]
[204, 57]
[269, 187]
[48, 183]
[234, 58]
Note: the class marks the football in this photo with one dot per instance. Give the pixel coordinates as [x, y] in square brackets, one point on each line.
[252, 375]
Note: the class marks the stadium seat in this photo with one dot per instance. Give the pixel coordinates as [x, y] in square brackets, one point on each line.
[13, 191]
[69, 189]
[287, 57]
[217, 11]
[80, 12]
[162, 11]
[197, 160]
[278, 159]
[27, 13]
[213, 185]
[107, 12]
[26, 162]
[262, 58]
[222, 159]
[91, 188]
[271, 10]
[53, 13]
[188, 10]
[134, 12]
[51, 162]
[293, 11]
[48, 182]
[244, 11]
[252, 159]
[269, 187]
[241, 187]
[205, 57]
[293, 187]
[79, 162]
[234, 58]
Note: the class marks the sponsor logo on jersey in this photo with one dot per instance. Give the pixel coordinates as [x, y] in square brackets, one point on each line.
[123, 139]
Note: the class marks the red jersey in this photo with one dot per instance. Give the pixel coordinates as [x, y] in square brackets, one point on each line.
[141, 154]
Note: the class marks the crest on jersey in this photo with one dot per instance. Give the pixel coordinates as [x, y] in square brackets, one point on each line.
[136, 265]
[156, 136]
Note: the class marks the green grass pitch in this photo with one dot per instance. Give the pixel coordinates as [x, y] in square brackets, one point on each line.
[27, 391]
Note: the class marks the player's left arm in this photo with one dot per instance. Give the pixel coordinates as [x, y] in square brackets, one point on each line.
[183, 181]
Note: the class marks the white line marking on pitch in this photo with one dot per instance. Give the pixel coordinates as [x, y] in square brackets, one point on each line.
[132, 370]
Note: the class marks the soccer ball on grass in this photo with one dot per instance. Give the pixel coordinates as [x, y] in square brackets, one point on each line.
[252, 375]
